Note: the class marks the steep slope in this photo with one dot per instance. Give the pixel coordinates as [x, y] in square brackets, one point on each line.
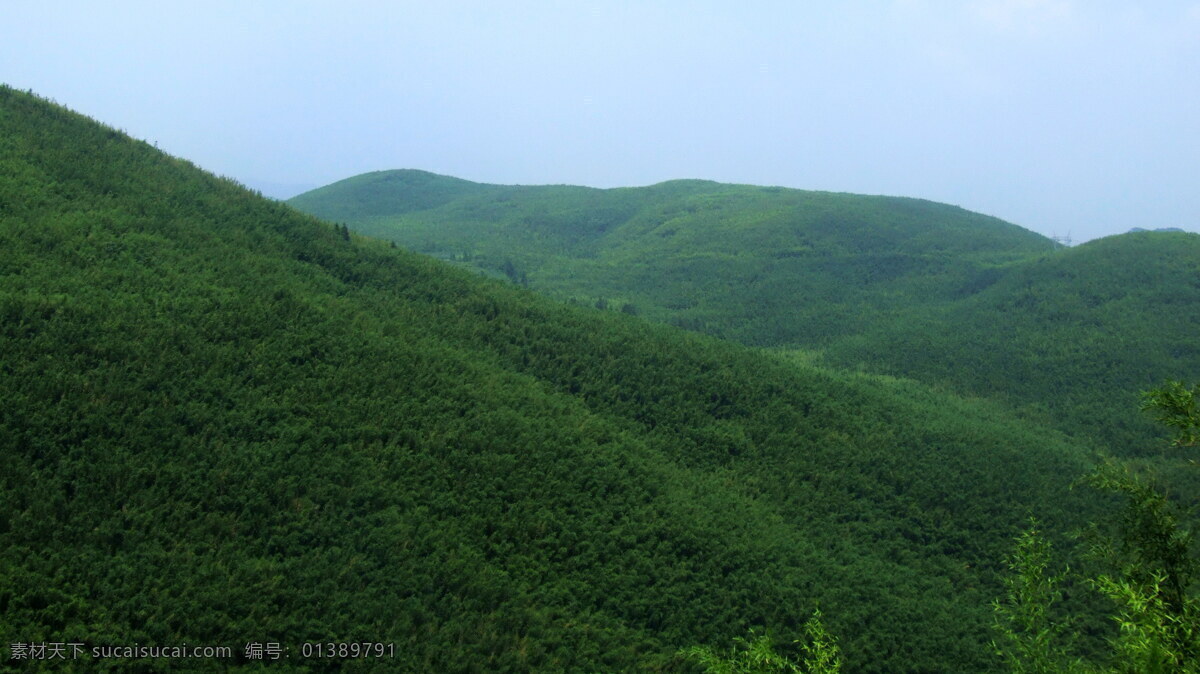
[892, 285]
[221, 422]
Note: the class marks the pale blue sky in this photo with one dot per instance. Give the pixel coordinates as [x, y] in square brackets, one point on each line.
[1058, 115]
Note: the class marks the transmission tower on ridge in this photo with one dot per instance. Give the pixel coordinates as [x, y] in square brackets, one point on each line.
[1062, 241]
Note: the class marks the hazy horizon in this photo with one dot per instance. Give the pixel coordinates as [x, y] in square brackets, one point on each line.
[1059, 116]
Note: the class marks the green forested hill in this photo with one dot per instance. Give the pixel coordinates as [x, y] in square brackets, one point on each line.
[221, 421]
[761, 265]
[1071, 337]
[892, 285]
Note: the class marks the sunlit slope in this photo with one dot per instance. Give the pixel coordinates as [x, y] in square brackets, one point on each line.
[892, 285]
[761, 265]
[222, 422]
[387, 193]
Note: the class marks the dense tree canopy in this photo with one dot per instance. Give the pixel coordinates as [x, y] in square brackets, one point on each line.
[898, 286]
[222, 422]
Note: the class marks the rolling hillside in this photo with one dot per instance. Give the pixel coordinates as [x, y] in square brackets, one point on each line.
[223, 421]
[1069, 338]
[899, 286]
[761, 265]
